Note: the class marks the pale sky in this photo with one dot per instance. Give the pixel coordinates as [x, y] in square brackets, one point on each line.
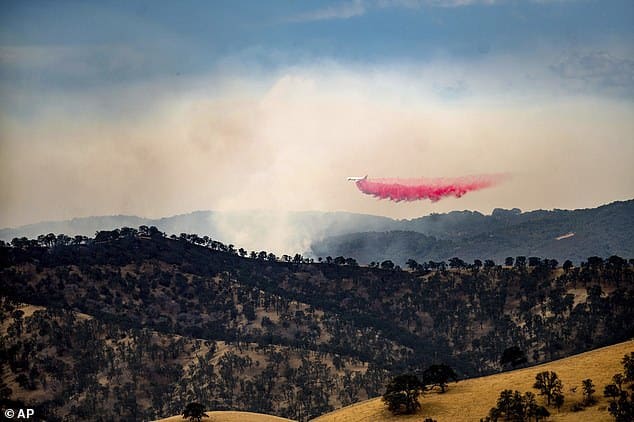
[161, 108]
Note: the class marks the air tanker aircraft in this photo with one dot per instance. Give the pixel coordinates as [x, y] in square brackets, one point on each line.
[356, 179]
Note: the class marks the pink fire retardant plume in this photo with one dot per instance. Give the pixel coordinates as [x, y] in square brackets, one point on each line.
[433, 189]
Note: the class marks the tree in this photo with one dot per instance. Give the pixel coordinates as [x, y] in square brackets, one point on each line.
[623, 409]
[504, 404]
[513, 355]
[509, 261]
[558, 400]
[439, 376]
[533, 261]
[412, 264]
[619, 379]
[621, 402]
[595, 262]
[532, 409]
[194, 412]
[20, 242]
[612, 391]
[549, 385]
[628, 367]
[515, 406]
[151, 231]
[127, 232]
[540, 412]
[401, 394]
[567, 265]
[107, 235]
[351, 262]
[387, 265]
[588, 391]
[520, 262]
[456, 263]
[616, 262]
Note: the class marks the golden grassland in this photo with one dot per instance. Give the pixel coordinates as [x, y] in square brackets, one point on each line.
[231, 417]
[470, 400]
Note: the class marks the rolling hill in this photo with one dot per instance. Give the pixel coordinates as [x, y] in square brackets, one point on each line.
[471, 399]
[134, 325]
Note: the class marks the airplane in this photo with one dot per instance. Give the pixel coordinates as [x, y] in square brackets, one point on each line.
[356, 179]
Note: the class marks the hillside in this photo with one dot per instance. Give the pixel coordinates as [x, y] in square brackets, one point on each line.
[470, 400]
[173, 320]
[228, 416]
[141, 374]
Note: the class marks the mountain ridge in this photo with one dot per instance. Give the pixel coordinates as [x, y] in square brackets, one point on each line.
[602, 231]
[559, 234]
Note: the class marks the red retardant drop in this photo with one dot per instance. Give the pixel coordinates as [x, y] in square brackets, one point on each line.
[433, 189]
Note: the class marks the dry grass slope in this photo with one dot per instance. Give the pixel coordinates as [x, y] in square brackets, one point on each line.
[231, 417]
[471, 399]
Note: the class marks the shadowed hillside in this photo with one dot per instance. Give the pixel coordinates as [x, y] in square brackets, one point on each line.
[559, 234]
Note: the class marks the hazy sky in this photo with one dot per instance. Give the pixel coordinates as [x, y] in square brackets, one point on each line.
[158, 108]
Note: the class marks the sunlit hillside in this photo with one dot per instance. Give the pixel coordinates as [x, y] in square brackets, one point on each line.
[471, 399]
[231, 417]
